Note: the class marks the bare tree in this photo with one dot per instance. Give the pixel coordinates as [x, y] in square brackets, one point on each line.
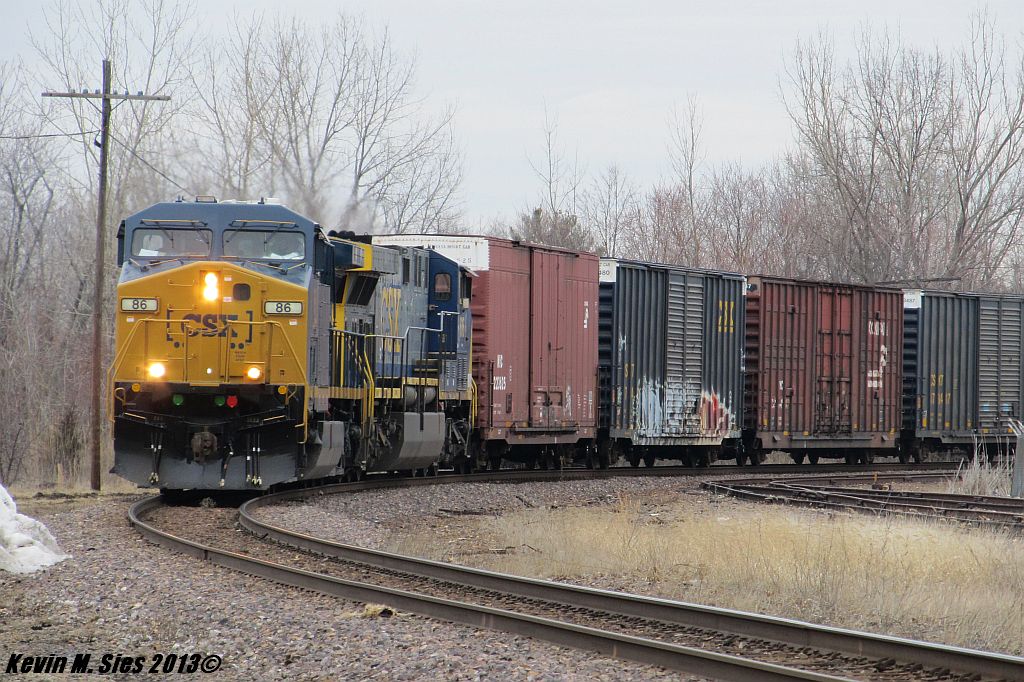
[986, 144]
[327, 115]
[150, 46]
[921, 152]
[555, 218]
[610, 210]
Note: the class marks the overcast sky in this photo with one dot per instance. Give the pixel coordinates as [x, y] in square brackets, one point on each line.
[609, 73]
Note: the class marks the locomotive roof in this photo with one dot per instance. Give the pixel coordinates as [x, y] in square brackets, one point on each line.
[220, 214]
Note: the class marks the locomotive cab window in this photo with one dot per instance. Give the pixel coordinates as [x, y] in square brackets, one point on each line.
[265, 245]
[442, 286]
[151, 242]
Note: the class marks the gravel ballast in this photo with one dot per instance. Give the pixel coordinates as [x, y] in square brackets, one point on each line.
[119, 594]
[373, 518]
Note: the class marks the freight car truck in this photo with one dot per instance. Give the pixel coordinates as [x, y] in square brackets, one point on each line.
[671, 363]
[823, 370]
[534, 347]
[962, 372]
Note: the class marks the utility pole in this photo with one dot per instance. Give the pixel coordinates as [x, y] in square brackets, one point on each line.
[101, 239]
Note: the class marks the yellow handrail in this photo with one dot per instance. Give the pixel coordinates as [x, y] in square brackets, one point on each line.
[122, 353]
[473, 406]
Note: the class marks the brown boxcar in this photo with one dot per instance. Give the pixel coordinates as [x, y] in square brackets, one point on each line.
[823, 369]
[534, 357]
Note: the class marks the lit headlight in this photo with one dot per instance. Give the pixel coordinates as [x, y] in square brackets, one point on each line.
[254, 373]
[210, 291]
[156, 370]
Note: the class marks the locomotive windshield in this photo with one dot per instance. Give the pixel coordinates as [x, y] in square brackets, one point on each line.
[170, 242]
[265, 244]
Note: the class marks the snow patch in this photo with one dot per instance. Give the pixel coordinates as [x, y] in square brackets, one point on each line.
[25, 544]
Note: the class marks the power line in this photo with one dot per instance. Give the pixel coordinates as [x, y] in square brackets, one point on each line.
[151, 166]
[36, 137]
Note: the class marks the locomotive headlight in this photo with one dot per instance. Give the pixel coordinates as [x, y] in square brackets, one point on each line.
[210, 291]
[254, 373]
[156, 370]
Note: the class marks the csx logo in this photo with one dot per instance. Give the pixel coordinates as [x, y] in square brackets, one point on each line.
[209, 325]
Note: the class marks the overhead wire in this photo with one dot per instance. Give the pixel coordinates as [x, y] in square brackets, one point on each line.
[150, 166]
[44, 135]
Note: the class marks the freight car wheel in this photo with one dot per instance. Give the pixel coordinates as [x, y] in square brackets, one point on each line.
[813, 459]
[850, 459]
[797, 457]
[649, 459]
[634, 460]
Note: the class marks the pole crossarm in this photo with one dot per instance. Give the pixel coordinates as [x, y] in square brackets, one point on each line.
[111, 95]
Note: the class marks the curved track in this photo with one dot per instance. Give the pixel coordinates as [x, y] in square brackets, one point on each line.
[882, 497]
[673, 634]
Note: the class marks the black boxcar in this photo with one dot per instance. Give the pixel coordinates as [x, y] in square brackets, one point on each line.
[962, 371]
[670, 356]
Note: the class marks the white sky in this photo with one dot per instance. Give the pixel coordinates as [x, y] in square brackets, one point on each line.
[609, 72]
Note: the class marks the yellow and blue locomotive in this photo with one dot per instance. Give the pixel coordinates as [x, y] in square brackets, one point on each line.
[252, 349]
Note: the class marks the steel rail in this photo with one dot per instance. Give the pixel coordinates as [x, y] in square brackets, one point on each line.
[788, 631]
[639, 649]
[969, 506]
[892, 506]
[952, 499]
[815, 493]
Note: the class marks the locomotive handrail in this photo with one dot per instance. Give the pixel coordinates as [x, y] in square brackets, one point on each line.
[271, 324]
[115, 365]
[404, 339]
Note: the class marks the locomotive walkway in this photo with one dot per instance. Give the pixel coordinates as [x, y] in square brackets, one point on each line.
[671, 634]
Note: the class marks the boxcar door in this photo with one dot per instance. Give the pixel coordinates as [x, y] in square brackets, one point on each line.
[999, 365]
[834, 361]
[546, 391]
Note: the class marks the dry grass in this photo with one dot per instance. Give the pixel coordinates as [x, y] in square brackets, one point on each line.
[922, 580]
[371, 611]
[985, 475]
[980, 477]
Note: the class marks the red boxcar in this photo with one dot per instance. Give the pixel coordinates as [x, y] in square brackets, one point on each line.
[534, 313]
[823, 369]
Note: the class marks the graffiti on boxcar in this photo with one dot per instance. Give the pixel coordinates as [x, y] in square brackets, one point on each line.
[716, 418]
[677, 408]
[648, 411]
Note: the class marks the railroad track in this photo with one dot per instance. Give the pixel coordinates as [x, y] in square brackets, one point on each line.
[883, 497]
[660, 632]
